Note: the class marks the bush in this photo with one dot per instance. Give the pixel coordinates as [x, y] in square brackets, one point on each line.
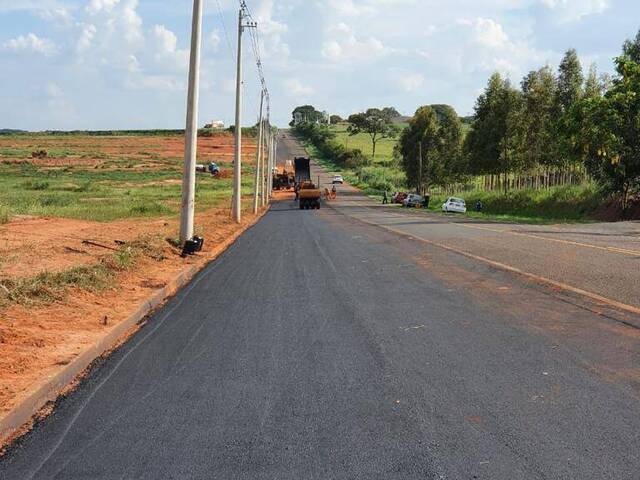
[35, 185]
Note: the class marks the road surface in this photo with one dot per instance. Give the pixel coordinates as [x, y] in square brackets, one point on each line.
[320, 346]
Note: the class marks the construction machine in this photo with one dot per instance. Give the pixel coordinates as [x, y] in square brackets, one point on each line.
[307, 192]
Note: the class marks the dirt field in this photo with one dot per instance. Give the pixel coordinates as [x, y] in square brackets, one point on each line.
[38, 338]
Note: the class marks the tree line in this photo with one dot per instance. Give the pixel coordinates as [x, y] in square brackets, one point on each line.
[561, 121]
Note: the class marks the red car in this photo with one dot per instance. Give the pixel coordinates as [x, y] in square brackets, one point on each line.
[398, 197]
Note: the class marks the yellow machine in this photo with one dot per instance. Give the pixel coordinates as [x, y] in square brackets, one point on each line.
[309, 196]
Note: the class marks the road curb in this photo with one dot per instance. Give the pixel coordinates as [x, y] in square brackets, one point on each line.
[22, 413]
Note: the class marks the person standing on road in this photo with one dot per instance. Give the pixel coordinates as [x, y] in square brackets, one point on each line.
[334, 192]
[385, 199]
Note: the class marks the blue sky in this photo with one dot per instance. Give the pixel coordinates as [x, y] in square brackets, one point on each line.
[107, 64]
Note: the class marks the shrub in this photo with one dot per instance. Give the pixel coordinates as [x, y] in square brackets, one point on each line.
[4, 215]
[35, 185]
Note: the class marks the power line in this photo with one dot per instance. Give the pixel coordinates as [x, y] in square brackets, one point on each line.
[224, 29]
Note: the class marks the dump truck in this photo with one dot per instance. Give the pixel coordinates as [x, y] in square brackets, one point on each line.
[308, 193]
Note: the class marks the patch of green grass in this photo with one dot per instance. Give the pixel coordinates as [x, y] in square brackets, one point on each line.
[105, 195]
[558, 204]
[362, 141]
[15, 152]
[5, 214]
[48, 287]
[35, 185]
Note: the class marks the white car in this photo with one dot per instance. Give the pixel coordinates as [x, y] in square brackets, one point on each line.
[338, 179]
[454, 204]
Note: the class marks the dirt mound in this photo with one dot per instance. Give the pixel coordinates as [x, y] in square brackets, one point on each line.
[611, 211]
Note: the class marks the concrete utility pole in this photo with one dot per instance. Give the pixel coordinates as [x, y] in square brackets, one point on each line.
[237, 166]
[266, 159]
[275, 149]
[191, 131]
[272, 163]
[256, 191]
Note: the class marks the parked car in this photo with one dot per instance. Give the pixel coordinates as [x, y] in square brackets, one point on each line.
[454, 204]
[413, 200]
[398, 197]
[338, 179]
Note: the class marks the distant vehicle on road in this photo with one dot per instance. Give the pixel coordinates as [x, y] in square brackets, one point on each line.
[413, 200]
[454, 205]
[398, 197]
[338, 179]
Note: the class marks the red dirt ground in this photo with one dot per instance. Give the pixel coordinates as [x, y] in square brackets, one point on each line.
[94, 151]
[36, 342]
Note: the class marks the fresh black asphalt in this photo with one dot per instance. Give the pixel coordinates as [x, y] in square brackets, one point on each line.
[320, 348]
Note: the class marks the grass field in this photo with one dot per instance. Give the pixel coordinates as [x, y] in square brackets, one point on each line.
[567, 204]
[109, 178]
[362, 141]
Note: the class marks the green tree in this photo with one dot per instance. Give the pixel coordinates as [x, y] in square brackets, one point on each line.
[491, 144]
[308, 112]
[606, 132]
[430, 148]
[374, 122]
[570, 80]
[536, 125]
[593, 87]
[391, 112]
[335, 119]
[631, 48]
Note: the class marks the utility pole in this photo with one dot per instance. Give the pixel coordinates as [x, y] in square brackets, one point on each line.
[237, 166]
[191, 130]
[258, 181]
[420, 168]
[263, 179]
[269, 172]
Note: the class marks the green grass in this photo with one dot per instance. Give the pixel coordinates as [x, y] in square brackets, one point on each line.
[556, 205]
[49, 287]
[5, 214]
[104, 195]
[362, 141]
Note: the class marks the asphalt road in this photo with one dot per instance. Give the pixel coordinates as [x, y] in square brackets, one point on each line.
[598, 258]
[321, 347]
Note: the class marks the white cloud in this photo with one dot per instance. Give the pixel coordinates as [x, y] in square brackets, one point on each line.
[213, 41]
[573, 10]
[487, 32]
[272, 31]
[409, 82]
[166, 52]
[96, 6]
[351, 49]
[30, 43]
[297, 89]
[60, 16]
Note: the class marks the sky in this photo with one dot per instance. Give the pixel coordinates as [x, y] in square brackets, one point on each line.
[123, 64]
